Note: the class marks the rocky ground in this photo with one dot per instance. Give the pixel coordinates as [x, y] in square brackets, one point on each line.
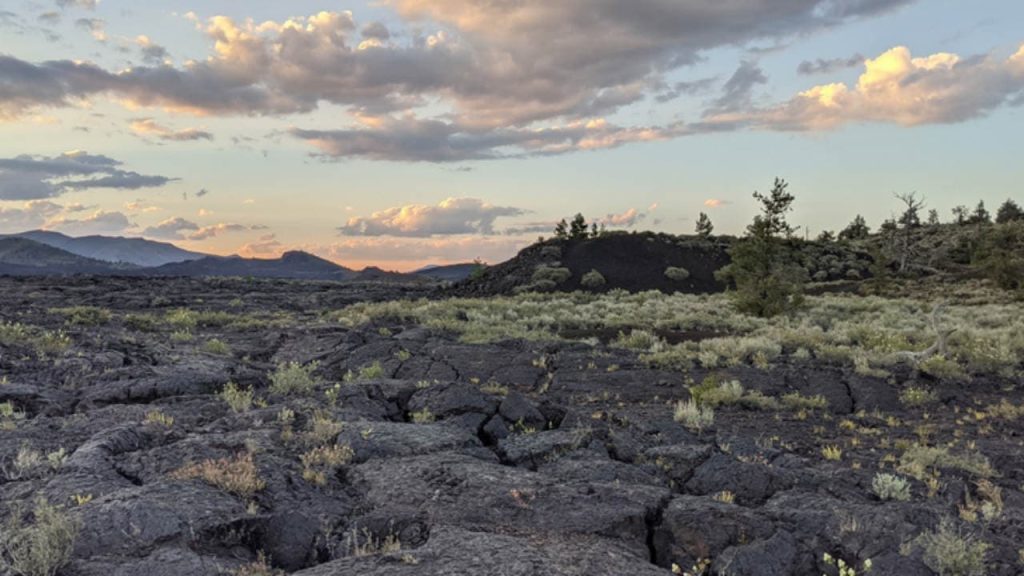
[405, 451]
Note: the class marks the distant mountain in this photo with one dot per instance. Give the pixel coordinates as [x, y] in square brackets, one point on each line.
[137, 251]
[24, 257]
[298, 265]
[450, 273]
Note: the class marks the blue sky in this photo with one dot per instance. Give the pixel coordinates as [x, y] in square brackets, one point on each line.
[403, 132]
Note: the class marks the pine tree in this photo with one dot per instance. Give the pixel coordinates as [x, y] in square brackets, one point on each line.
[578, 227]
[767, 280]
[1009, 212]
[856, 230]
[980, 215]
[704, 226]
[562, 230]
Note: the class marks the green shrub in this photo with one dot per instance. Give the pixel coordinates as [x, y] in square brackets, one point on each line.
[676, 274]
[293, 378]
[218, 347]
[83, 315]
[238, 399]
[914, 396]
[372, 371]
[890, 487]
[551, 274]
[592, 280]
[918, 460]
[41, 548]
[693, 416]
[949, 552]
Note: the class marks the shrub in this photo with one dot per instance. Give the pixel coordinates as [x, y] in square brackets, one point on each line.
[424, 416]
[237, 475]
[890, 487]
[693, 416]
[83, 315]
[10, 416]
[260, 567]
[218, 347]
[677, 274]
[316, 463]
[550, 274]
[592, 280]
[950, 553]
[797, 401]
[913, 396]
[1000, 255]
[238, 399]
[158, 418]
[41, 548]
[833, 453]
[323, 429]
[369, 372]
[917, 460]
[293, 378]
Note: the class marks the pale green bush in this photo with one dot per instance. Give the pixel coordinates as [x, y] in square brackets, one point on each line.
[890, 487]
[293, 378]
[41, 548]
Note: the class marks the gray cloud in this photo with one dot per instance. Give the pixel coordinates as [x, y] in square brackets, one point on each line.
[36, 177]
[452, 216]
[86, 4]
[413, 140]
[820, 66]
[101, 222]
[493, 64]
[29, 216]
[737, 91]
[181, 229]
[150, 127]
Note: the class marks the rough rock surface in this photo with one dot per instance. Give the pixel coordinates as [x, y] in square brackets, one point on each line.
[453, 458]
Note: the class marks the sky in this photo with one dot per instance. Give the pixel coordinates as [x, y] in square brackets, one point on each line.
[400, 133]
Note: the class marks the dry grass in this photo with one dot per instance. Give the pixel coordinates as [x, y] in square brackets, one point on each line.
[237, 475]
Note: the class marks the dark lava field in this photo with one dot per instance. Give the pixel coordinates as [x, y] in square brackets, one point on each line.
[226, 426]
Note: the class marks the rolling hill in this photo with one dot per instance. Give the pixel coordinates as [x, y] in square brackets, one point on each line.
[136, 251]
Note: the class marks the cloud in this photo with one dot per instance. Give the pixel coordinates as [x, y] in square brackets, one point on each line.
[489, 68]
[267, 245]
[30, 216]
[413, 252]
[716, 203]
[86, 4]
[151, 53]
[33, 177]
[138, 206]
[95, 27]
[171, 229]
[181, 229]
[737, 92]
[149, 127]
[202, 192]
[100, 222]
[821, 66]
[451, 216]
[896, 88]
[627, 219]
[416, 140]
